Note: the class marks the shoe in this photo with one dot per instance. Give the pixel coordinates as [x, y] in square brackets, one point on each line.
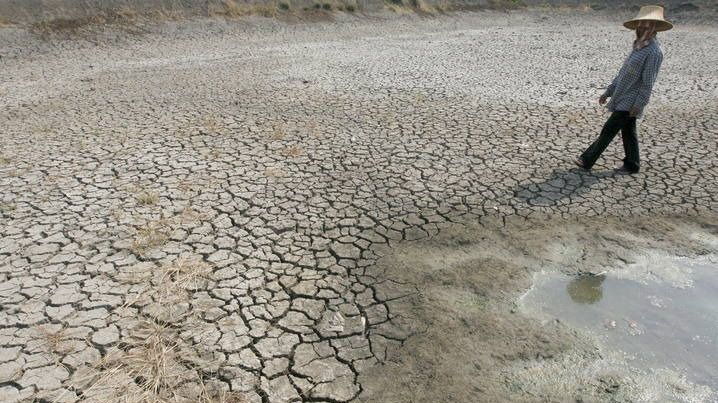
[624, 170]
[579, 162]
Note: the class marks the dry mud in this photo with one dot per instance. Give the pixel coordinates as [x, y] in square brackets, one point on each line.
[244, 210]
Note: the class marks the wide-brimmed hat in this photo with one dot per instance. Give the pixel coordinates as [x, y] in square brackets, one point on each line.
[650, 13]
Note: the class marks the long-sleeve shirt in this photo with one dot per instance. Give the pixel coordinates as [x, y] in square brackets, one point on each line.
[633, 85]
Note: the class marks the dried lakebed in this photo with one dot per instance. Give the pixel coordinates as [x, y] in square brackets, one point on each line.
[349, 210]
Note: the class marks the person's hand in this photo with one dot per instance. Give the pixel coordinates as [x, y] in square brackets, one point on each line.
[634, 111]
[602, 100]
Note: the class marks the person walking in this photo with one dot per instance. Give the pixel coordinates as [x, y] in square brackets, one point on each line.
[630, 90]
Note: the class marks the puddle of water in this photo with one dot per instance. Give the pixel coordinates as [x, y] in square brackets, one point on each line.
[655, 325]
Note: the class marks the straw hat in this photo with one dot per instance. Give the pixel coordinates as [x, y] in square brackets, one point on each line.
[650, 13]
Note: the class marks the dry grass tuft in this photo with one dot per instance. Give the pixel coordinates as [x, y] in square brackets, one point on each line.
[292, 151]
[444, 6]
[151, 367]
[149, 237]
[148, 198]
[135, 275]
[189, 215]
[167, 290]
[186, 273]
[273, 172]
[506, 4]
[151, 357]
[123, 14]
[349, 6]
[327, 6]
[117, 214]
[232, 9]
[423, 7]
[278, 134]
[574, 118]
[265, 10]
[5, 22]
[210, 125]
[399, 8]
[154, 363]
[121, 17]
[54, 341]
[215, 154]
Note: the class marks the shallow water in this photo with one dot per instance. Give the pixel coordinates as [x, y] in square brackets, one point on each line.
[654, 324]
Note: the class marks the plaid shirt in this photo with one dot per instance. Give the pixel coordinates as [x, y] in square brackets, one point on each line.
[634, 82]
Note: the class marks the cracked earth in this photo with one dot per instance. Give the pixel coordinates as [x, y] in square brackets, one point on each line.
[209, 199]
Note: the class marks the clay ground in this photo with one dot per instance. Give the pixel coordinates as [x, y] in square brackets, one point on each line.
[251, 210]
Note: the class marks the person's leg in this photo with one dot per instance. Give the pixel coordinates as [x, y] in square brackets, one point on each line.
[630, 145]
[614, 123]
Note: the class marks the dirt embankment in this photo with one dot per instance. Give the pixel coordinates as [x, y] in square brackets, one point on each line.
[470, 343]
[69, 14]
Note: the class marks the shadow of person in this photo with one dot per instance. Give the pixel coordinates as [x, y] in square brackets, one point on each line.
[586, 289]
[563, 183]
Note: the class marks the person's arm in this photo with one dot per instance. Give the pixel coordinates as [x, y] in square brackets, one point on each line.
[609, 90]
[612, 87]
[607, 93]
[648, 78]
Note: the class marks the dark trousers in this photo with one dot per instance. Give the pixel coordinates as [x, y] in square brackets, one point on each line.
[619, 120]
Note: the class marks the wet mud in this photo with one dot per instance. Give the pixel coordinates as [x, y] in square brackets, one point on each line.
[659, 325]
[473, 338]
